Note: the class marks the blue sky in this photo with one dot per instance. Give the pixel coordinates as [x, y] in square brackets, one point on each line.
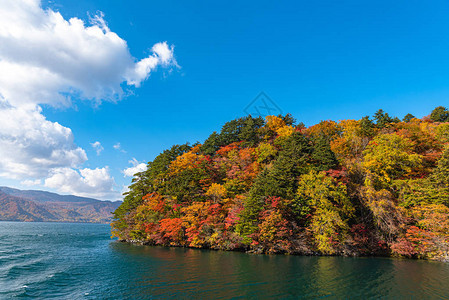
[317, 60]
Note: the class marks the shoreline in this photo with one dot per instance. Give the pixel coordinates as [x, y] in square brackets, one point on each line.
[143, 243]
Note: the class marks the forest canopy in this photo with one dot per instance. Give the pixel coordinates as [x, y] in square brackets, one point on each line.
[374, 186]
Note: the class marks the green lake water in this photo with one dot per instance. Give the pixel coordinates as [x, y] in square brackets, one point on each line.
[80, 261]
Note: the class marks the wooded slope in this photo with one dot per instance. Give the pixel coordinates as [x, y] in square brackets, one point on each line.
[354, 187]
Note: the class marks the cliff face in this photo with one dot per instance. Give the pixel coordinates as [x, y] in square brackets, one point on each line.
[39, 206]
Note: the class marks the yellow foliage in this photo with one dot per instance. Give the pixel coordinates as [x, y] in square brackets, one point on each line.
[326, 225]
[274, 123]
[341, 147]
[388, 157]
[350, 144]
[278, 125]
[216, 191]
[285, 131]
[332, 207]
[265, 151]
[186, 161]
[442, 132]
[193, 213]
[329, 129]
[385, 212]
[269, 227]
[434, 217]
[349, 128]
[426, 126]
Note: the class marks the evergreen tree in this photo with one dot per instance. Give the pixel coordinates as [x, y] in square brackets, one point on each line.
[148, 181]
[366, 127]
[441, 173]
[440, 114]
[408, 117]
[383, 119]
[322, 156]
[243, 129]
[280, 180]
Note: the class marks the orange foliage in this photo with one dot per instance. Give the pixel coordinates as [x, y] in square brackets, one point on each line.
[223, 151]
[171, 229]
[278, 125]
[274, 123]
[328, 129]
[154, 201]
[188, 160]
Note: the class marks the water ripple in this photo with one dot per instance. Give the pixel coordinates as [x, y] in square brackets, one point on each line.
[79, 261]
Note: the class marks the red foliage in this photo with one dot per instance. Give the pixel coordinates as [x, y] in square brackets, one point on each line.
[223, 151]
[155, 201]
[171, 229]
[417, 242]
[340, 175]
[274, 202]
[233, 216]
[151, 227]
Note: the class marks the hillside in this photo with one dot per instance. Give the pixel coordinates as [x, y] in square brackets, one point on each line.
[40, 206]
[375, 186]
[43, 196]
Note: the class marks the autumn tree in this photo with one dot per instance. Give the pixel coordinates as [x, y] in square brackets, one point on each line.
[388, 157]
[188, 175]
[386, 215]
[216, 192]
[147, 181]
[329, 206]
[327, 130]
[357, 187]
[278, 125]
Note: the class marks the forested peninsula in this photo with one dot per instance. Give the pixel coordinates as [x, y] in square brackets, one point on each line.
[374, 186]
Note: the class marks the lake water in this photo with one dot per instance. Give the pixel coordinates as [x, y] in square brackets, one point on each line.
[80, 261]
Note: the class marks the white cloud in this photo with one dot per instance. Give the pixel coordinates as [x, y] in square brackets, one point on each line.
[47, 59]
[97, 183]
[162, 55]
[97, 146]
[125, 189]
[137, 167]
[31, 182]
[30, 145]
[118, 147]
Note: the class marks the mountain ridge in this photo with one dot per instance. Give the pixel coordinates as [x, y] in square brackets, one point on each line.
[45, 196]
[43, 206]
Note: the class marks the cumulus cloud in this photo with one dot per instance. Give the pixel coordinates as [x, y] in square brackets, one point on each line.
[97, 183]
[97, 146]
[136, 167]
[46, 59]
[162, 55]
[30, 145]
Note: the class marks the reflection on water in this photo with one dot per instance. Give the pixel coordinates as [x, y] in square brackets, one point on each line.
[171, 272]
[79, 261]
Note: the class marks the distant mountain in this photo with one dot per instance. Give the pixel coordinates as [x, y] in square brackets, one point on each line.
[43, 196]
[35, 206]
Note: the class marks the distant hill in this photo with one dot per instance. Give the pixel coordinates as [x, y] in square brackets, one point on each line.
[40, 206]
